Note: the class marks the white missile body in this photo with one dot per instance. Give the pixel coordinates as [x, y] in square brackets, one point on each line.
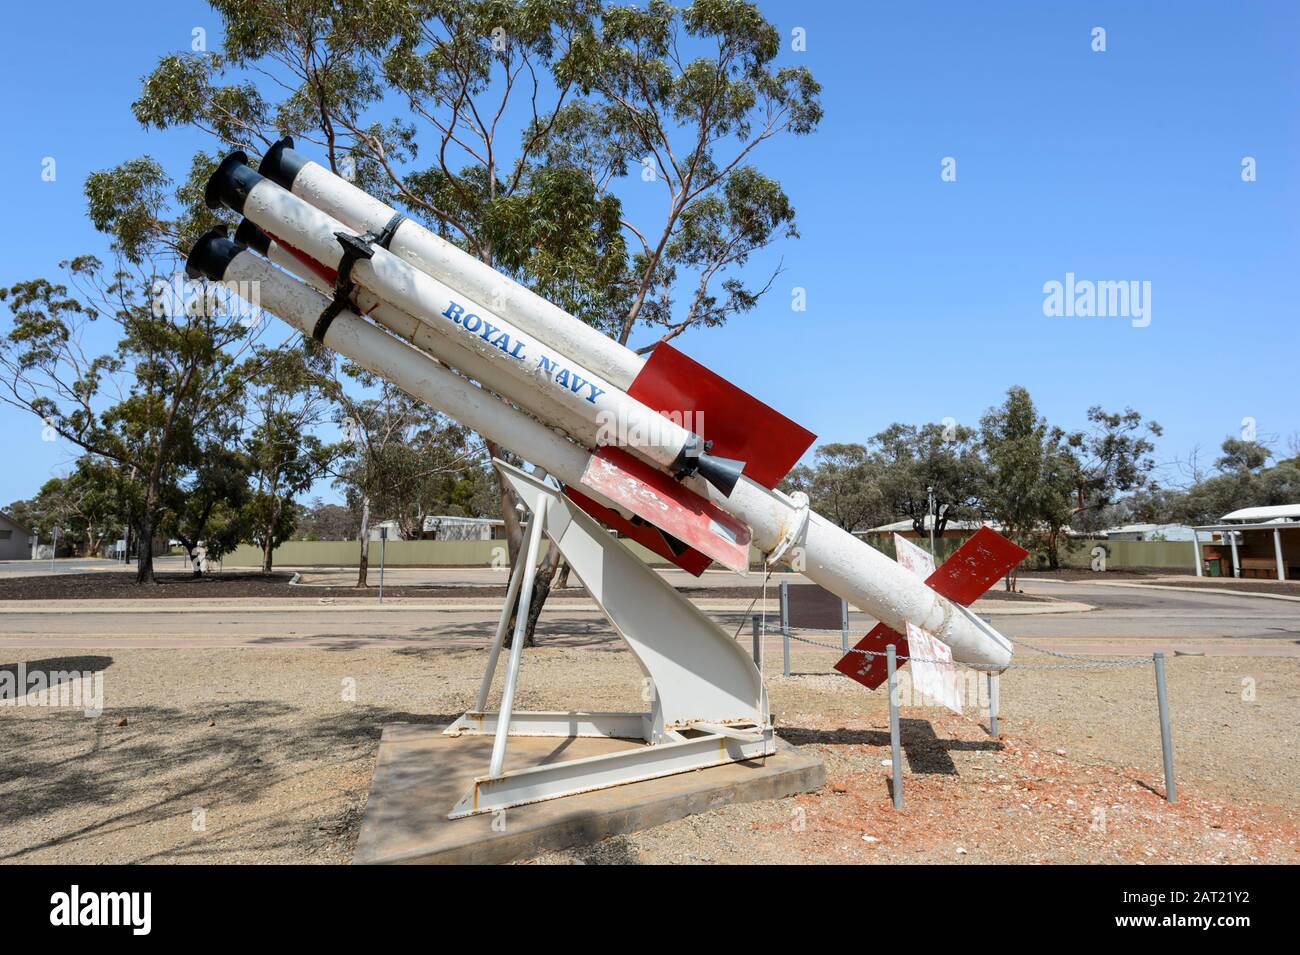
[435, 256]
[830, 556]
[414, 330]
[595, 411]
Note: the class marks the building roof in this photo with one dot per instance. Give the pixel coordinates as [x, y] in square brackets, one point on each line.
[433, 520]
[25, 530]
[1259, 515]
[1183, 531]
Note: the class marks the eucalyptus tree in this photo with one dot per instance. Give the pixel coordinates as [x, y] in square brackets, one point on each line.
[521, 130]
[175, 358]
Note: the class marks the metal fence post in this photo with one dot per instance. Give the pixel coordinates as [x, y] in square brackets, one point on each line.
[896, 758]
[993, 705]
[383, 542]
[785, 626]
[1166, 741]
[844, 626]
[757, 622]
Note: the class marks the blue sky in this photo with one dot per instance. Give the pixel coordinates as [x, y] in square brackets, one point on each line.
[925, 297]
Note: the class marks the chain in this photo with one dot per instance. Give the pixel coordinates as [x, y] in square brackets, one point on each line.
[1085, 664]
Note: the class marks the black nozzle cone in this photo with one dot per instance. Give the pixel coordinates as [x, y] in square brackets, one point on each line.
[281, 163]
[722, 473]
[230, 185]
[211, 255]
[250, 235]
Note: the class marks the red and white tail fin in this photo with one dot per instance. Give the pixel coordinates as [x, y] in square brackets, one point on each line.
[963, 578]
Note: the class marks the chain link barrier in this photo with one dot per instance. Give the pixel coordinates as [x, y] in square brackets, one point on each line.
[1085, 663]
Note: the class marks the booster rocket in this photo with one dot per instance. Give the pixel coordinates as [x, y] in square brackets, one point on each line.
[398, 300]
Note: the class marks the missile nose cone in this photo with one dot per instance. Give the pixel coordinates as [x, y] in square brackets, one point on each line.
[230, 184]
[281, 163]
[722, 473]
[254, 238]
[211, 255]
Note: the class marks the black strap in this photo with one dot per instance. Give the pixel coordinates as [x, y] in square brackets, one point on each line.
[387, 232]
[354, 247]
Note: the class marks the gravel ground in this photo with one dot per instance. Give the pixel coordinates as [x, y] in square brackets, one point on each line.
[265, 755]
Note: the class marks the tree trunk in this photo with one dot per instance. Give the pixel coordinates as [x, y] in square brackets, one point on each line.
[364, 563]
[510, 516]
[268, 545]
[144, 548]
[563, 579]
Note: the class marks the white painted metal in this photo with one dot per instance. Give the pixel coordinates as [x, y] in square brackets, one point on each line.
[529, 558]
[1236, 562]
[499, 637]
[435, 256]
[696, 670]
[447, 350]
[638, 763]
[1277, 550]
[411, 370]
[595, 410]
[840, 562]
[1196, 545]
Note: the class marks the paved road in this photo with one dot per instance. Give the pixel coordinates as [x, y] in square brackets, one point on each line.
[1125, 616]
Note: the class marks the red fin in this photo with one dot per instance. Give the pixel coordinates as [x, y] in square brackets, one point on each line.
[739, 425]
[872, 671]
[687, 558]
[672, 507]
[977, 565]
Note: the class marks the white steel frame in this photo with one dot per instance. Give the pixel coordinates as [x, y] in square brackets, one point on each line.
[708, 702]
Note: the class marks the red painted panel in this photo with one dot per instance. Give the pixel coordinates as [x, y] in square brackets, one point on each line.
[976, 566]
[871, 672]
[963, 578]
[739, 425]
[687, 558]
[670, 506]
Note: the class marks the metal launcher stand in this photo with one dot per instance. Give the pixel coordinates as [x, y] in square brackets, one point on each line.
[708, 702]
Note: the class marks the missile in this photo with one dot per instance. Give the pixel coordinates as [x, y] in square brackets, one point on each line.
[693, 510]
[408, 327]
[596, 411]
[434, 255]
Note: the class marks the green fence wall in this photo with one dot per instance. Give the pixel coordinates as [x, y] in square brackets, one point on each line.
[1171, 555]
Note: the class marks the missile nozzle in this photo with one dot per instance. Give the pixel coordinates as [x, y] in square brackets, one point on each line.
[254, 238]
[230, 184]
[211, 255]
[282, 163]
[722, 473]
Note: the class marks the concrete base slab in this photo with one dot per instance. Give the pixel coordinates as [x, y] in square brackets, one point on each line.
[419, 775]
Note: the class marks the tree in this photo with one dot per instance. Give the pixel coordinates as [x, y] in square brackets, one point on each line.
[287, 399]
[523, 120]
[1113, 457]
[1243, 480]
[87, 506]
[319, 521]
[138, 405]
[208, 510]
[1030, 475]
[933, 459]
[843, 484]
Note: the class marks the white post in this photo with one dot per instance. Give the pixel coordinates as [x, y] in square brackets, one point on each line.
[1236, 564]
[1196, 545]
[517, 641]
[1277, 550]
[512, 596]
